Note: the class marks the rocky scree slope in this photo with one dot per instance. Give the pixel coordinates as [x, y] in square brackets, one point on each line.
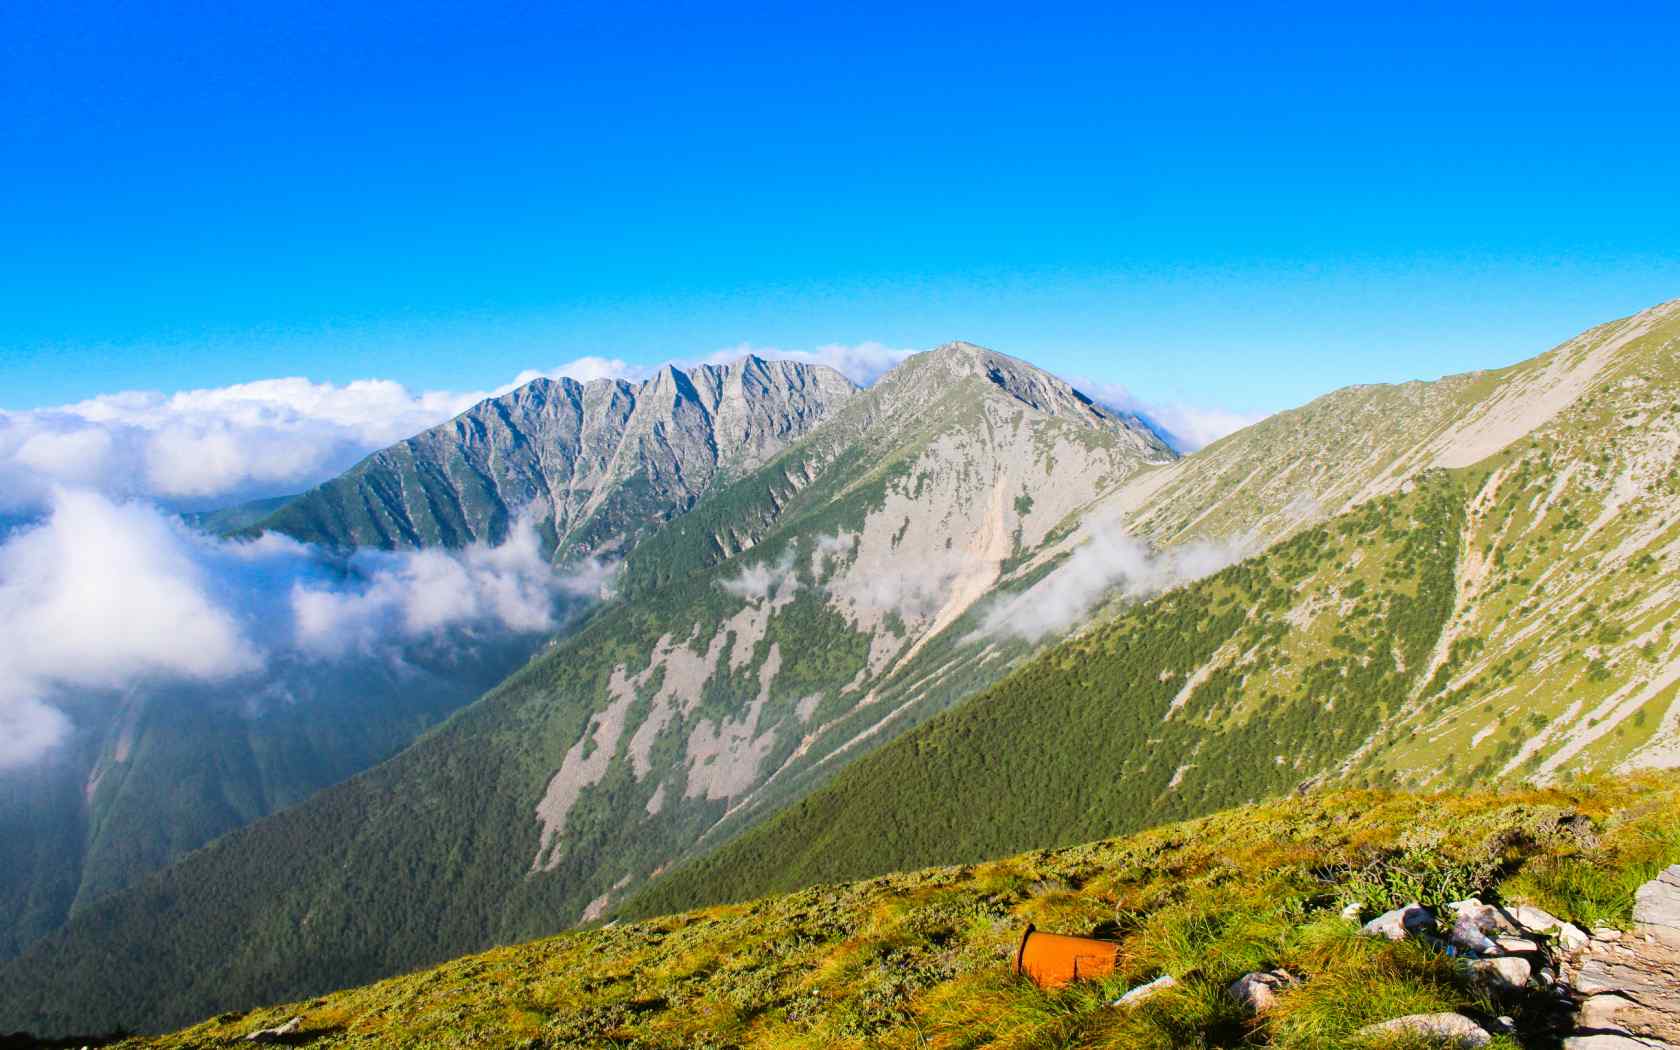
[1507, 619]
[797, 617]
[600, 464]
[924, 959]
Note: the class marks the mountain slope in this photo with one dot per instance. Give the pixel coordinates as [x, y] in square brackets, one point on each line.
[599, 463]
[1303, 465]
[1508, 618]
[797, 617]
[158, 769]
[924, 958]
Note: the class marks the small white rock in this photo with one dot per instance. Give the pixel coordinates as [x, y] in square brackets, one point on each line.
[1445, 1029]
[1144, 991]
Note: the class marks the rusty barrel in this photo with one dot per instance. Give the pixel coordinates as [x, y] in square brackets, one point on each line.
[1052, 960]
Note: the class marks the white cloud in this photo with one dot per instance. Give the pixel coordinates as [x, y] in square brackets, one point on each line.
[1187, 427]
[763, 579]
[104, 594]
[219, 445]
[1107, 561]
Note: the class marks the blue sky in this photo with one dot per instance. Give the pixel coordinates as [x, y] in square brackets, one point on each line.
[1230, 206]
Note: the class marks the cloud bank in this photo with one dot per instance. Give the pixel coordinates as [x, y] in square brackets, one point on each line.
[198, 449]
[1109, 561]
[1184, 426]
[104, 594]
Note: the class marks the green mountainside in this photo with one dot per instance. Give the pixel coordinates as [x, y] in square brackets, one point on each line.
[720, 683]
[600, 464]
[1507, 618]
[924, 959]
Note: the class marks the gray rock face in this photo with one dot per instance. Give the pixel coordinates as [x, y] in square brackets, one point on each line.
[1657, 903]
[599, 462]
[1612, 1041]
[1629, 984]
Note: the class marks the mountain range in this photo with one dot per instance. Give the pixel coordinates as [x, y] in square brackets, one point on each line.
[157, 770]
[962, 613]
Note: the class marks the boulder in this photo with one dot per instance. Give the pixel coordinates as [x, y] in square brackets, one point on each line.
[1504, 973]
[1442, 1029]
[1611, 1041]
[1259, 991]
[1144, 991]
[1396, 925]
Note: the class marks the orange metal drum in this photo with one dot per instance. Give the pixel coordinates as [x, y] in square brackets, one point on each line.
[1052, 960]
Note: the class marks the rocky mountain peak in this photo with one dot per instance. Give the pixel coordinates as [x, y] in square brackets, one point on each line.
[603, 461]
[923, 375]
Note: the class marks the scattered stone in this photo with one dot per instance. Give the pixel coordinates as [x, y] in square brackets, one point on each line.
[1144, 991]
[277, 1033]
[1611, 1041]
[1259, 991]
[1605, 933]
[1397, 924]
[1445, 1029]
[1353, 912]
[1505, 973]
[1517, 945]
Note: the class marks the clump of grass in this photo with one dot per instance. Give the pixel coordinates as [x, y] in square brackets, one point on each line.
[1596, 887]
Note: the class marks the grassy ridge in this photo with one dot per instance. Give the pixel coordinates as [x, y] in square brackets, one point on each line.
[922, 959]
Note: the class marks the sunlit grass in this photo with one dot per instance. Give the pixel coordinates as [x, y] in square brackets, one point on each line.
[925, 959]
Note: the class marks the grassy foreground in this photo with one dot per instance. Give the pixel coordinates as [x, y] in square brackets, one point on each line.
[923, 958]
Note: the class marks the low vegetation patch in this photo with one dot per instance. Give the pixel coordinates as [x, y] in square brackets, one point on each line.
[924, 959]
